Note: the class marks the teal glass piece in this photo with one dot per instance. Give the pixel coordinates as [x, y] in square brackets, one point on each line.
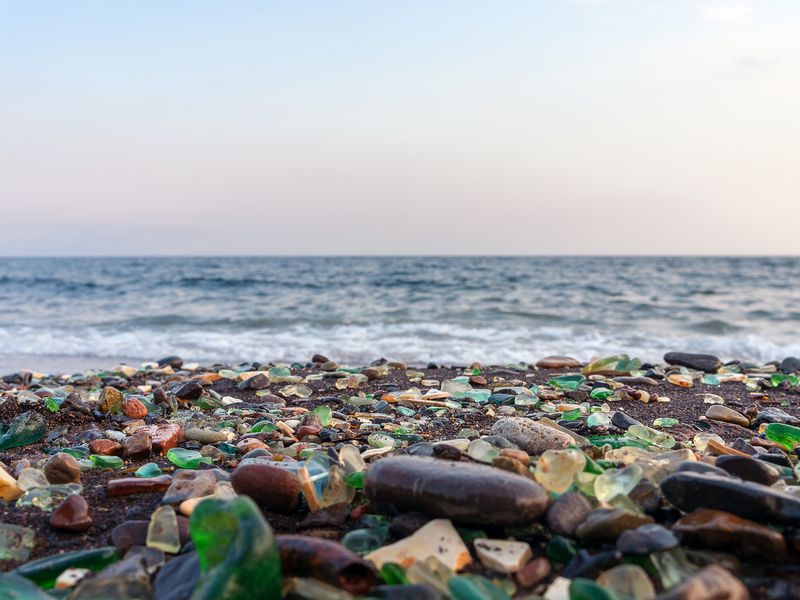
[239, 558]
[598, 419]
[364, 541]
[44, 571]
[586, 589]
[560, 549]
[601, 393]
[24, 429]
[710, 380]
[14, 587]
[227, 448]
[474, 587]
[187, 459]
[567, 382]
[106, 462]
[148, 470]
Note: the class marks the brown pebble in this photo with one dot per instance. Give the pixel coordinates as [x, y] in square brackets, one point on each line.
[138, 445]
[134, 409]
[62, 468]
[137, 485]
[273, 488]
[72, 514]
[105, 447]
[534, 572]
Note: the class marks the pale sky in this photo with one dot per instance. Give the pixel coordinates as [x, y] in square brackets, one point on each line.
[403, 127]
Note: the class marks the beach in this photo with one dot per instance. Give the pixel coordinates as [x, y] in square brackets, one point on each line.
[639, 475]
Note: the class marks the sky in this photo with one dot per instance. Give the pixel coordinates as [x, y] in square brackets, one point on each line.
[413, 127]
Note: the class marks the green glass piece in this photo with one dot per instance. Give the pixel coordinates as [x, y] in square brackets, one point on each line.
[148, 470]
[106, 462]
[479, 396]
[665, 422]
[616, 441]
[44, 571]
[672, 567]
[651, 436]
[14, 587]
[24, 429]
[601, 393]
[187, 459]
[239, 559]
[364, 541]
[393, 574]
[710, 380]
[16, 542]
[474, 587]
[47, 498]
[262, 426]
[592, 466]
[586, 589]
[620, 363]
[560, 549]
[76, 452]
[206, 403]
[572, 415]
[617, 482]
[51, 403]
[355, 480]
[162, 531]
[787, 436]
[227, 448]
[324, 413]
[598, 419]
[566, 382]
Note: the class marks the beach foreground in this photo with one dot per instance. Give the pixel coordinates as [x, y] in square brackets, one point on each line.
[612, 479]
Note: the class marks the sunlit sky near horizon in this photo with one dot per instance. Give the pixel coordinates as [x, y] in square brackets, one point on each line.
[414, 127]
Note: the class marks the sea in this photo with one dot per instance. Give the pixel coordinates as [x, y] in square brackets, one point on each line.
[68, 314]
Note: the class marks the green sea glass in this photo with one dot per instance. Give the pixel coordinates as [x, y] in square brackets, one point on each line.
[239, 559]
[148, 470]
[16, 542]
[651, 436]
[586, 589]
[14, 587]
[393, 574]
[24, 429]
[617, 482]
[787, 436]
[566, 382]
[44, 571]
[187, 459]
[474, 587]
[106, 462]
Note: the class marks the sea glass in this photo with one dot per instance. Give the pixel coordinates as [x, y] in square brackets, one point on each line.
[651, 436]
[787, 436]
[239, 558]
[44, 571]
[162, 531]
[187, 459]
[148, 470]
[24, 429]
[16, 542]
[566, 382]
[106, 462]
[617, 482]
[556, 469]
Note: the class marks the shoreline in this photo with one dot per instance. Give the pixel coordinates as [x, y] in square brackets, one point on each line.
[252, 421]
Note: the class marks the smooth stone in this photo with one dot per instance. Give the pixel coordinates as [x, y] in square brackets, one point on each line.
[789, 365]
[534, 572]
[62, 468]
[696, 466]
[713, 582]
[566, 513]
[137, 485]
[531, 436]
[111, 400]
[190, 390]
[273, 488]
[646, 540]
[205, 436]
[718, 412]
[628, 581]
[558, 362]
[406, 524]
[468, 492]
[623, 420]
[585, 564]
[73, 514]
[503, 556]
[176, 362]
[421, 449]
[773, 414]
[606, 524]
[647, 496]
[690, 491]
[437, 538]
[138, 445]
[188, 483]
[718, 530]
[177, 579]
[133, 408]
[700, 362]
[105, 447]
[749, 469]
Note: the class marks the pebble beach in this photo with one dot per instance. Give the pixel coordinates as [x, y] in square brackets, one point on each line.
[561, 479]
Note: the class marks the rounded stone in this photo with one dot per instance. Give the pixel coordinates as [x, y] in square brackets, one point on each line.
[646, 540]
[749, 469]
[72, 514]
[62, 468]
[531, 436]
[134, 409]
[567, 513]
[272, 488]
[558, 362]
[718, 412]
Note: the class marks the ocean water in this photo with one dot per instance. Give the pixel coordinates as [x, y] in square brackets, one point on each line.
[76, 312]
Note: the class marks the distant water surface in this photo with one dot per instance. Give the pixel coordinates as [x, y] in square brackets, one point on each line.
[86, 311]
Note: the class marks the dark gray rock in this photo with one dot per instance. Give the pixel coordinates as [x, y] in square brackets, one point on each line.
[646, 540]
[700, 362]
[566, 513]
